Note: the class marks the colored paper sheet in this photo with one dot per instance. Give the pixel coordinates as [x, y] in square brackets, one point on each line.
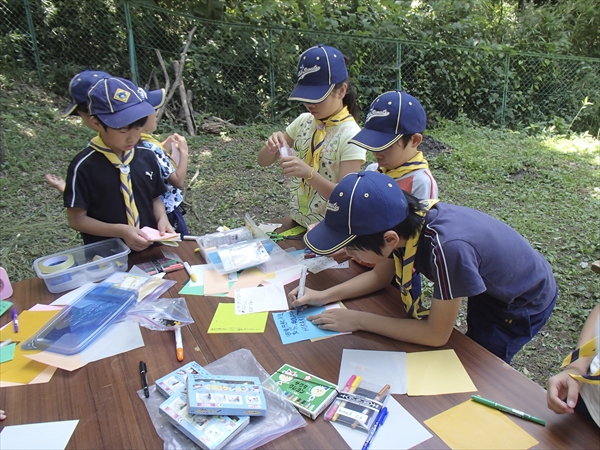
[259, 299]
[470, 425]
[20, 369]
[42, 436]
[44, 377]
[285, 276]
[379, 367]
[7, 353]
[215, 283]
[29, 323]
[400, 431]
[226, 321]
[436, 372]
[119, 338]
[249, 278]
[154, 235]
[294, 327]
[40, 307]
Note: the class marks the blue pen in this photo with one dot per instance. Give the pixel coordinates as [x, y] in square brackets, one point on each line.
[378, 422]
[301, 286]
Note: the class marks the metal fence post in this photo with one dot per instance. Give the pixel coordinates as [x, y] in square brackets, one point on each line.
[399, 62]
[271, 75]
[34, 47]
[131, 44]
[505, 90]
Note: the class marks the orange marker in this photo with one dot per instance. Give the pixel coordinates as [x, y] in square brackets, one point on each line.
[178, 344]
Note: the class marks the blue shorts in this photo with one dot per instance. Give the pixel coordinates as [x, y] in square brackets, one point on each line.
[503, 337]
[176, 220]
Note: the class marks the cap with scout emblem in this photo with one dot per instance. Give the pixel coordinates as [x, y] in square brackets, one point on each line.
[80, 85]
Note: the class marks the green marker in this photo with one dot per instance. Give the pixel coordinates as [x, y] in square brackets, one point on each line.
[507, 409]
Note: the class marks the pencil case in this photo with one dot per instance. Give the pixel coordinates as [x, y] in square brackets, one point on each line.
[357, 409]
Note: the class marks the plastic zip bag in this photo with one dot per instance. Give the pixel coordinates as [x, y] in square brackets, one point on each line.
[161, 314]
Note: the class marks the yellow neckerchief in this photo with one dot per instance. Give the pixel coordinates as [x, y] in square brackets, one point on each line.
[587, 349]
[405, 261]
[133, 216]
[416, 163]
[149, 138]
[316, 144]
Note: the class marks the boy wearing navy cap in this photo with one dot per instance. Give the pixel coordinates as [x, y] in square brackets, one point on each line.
[112, 190]
[510, 287]
[393, 130]
[321, 154]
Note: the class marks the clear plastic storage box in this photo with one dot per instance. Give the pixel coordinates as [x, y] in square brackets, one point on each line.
[72, 268]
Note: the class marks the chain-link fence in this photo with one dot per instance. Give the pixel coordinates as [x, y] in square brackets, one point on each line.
[245, 73]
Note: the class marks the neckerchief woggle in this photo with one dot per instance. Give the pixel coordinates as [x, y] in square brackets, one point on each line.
[313, 155]
[416, 163]
[131, 211]
[405, 261]
[587, 349]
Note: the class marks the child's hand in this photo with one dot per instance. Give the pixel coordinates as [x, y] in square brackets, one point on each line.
[293, 166]
[310, 298]
[562, 393]
[341, 320]
[135, 239]
[180, 143]
[275, 142]
[164, 226]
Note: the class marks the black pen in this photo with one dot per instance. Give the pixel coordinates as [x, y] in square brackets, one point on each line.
[143, 371]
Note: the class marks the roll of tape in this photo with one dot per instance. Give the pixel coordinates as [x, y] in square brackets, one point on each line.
[56, 263]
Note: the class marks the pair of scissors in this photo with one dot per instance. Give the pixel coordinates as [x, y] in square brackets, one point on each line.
[275, 237]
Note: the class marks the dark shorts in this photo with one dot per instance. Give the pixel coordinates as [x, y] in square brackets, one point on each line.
[177, 222]
[504, 338]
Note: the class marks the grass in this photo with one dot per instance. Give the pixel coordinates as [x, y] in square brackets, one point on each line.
[546, 187]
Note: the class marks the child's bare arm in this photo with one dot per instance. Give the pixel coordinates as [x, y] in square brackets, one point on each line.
[133, 237]
[177, 178]
[162, 221]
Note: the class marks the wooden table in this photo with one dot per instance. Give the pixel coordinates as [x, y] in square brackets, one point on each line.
[103, 394]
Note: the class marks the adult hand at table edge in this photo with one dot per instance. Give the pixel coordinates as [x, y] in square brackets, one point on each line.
[2, 414]
[563, 386]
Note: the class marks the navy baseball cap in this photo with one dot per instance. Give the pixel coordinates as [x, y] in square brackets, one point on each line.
[117, 102]
[362, 203]
[79, 86]
[390, 116]
[155, 98]
[320, 68]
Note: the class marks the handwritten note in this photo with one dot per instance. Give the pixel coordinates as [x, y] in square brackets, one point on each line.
[294, 327]
[226, 321]
[259, 299]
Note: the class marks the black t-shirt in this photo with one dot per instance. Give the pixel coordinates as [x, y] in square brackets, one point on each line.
[93, 184]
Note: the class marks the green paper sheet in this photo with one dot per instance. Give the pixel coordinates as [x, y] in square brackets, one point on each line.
[226, 321]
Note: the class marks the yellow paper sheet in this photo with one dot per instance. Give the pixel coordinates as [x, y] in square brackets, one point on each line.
[226, 321]
[20, 369]
[249, 278]
[215, 283]
[29, 323]
[44, 377]
[474, 426]
[436, 372]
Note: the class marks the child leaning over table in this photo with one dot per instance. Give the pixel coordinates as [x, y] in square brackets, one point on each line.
[510, 287]
[577, 388]
[112, 188]
[320, 136]
[172, 174]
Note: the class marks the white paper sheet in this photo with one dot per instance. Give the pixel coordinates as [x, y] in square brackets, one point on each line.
[377, 367]
[400, 431]
[258, 299]
[34, 436]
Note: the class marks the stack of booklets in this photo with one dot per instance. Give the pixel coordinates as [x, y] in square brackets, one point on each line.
[308, 393]
[210, 432]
